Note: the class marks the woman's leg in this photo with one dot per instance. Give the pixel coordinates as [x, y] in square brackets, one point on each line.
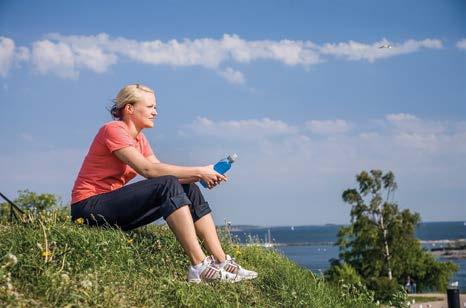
[203, 222]
[181, 223]
[205, 229]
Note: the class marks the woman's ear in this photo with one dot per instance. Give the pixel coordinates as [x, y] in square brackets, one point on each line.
[129, 108]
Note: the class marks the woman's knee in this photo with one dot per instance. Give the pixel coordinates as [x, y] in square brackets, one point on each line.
[171, 194]
[194, 193]
[199, 210]
[199, 207]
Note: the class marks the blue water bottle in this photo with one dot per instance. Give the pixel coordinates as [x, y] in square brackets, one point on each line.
[223, 166]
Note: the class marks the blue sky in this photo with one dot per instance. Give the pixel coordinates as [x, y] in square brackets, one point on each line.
[299, 89]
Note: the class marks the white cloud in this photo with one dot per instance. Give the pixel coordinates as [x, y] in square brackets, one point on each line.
[461, 44]
[10, 54]
[56, 58]
[205, 52]
[416, 140]
[401, 117]
[90, 52]
[402, 131]
[242, 129]
[233, 76]
[407, 123]
[359, 51]
[7, 50]
[94, 59]
[329, 127]
[409, 131]
[65, 55]
[286, 51]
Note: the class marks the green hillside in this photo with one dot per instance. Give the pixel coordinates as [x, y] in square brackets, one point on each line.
[49, 261]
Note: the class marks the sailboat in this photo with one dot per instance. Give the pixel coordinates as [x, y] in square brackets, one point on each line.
[268, 243]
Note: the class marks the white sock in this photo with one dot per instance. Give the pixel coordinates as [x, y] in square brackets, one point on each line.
[197, 266]
[222, 264]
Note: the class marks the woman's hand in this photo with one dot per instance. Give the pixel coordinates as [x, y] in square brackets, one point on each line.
[211, 177]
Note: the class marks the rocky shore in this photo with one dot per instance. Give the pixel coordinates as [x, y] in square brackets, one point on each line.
[448, 253]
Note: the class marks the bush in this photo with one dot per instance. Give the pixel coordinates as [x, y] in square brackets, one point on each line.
[343, 274]
[388, 291]
[30, 202]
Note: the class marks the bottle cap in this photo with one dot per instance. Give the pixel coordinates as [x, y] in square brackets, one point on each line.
[232, 157]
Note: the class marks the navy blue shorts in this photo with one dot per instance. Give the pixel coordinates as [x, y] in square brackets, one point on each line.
[141, 203]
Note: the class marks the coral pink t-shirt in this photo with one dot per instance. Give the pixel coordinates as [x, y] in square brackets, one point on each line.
[101, 170]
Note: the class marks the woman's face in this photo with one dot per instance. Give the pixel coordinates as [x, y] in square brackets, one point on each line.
[144, 111]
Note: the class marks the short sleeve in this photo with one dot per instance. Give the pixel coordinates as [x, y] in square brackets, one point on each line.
[146, 148]
[117, 137]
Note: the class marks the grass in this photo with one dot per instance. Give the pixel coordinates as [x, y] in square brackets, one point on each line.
[50, 261]
[425, 299]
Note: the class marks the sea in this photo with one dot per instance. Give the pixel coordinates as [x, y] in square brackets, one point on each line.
[313, 246]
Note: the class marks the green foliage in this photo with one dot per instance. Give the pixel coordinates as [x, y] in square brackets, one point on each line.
[400, 298]
[380, 242]
[343, 274]
[30, 202]
[60, 263]
[388, 291]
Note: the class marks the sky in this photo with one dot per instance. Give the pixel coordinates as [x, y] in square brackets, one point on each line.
[300, 90]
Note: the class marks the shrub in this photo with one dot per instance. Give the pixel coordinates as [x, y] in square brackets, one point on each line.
[343, 274]
[388, 291]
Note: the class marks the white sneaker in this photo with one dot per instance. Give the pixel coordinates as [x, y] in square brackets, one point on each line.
[208, 271]
[230, 266]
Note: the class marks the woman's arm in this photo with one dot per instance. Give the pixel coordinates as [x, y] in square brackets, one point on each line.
[188, 180]
[193, 179]
[151, 167]
[153, 159]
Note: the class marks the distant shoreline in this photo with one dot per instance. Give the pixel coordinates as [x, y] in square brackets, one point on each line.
[461, 248]
[452, 253]
[241, 227]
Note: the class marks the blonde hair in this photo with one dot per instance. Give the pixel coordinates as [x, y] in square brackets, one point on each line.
[129, 94]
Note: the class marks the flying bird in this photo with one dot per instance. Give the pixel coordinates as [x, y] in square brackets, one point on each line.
[385, 46]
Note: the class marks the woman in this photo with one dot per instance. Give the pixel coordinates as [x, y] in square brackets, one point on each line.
[119, 152]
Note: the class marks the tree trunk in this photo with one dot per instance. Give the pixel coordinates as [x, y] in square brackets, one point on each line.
[387, 251]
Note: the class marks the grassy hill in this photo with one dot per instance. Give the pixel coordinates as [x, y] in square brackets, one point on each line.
[50, 261]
